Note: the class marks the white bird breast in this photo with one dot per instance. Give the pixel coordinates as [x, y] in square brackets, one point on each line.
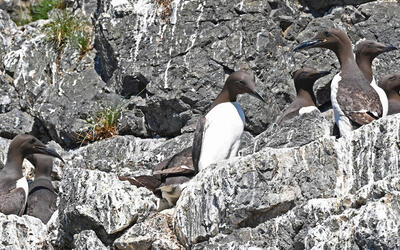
[222, 131]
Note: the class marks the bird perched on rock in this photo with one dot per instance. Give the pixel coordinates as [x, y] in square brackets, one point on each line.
[218, 133]
[169, 178]
[13, 185]
[366, 51]
[42, 196]
[304, 102]
[217, 137]
[354, 101]
[391, 85]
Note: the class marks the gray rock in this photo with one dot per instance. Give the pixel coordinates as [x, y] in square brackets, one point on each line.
[87, 240]
[252, 190]
[123, 155]
[88, 203]
[185, 57]
[64, 107]
[156, 232]
[295, 132]
[14, 123]
[24, 232]
[372, 222]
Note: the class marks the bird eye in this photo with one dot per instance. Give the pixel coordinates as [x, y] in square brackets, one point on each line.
[326, 33]
[32, 141]
[369, 45]
[392, 78]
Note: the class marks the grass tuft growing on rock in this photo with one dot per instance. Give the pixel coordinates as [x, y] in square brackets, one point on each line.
[41, 9]
[102, 126]
[69, 28]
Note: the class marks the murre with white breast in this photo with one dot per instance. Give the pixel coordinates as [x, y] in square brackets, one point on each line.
[354, 101]
[366, 51]
[304, 102]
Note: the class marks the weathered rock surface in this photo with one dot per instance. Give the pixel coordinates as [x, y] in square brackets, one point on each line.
[24, 232]
[162, 63]
[95, 200]
[154, 233]
[249, 191]
[295, 132]
[87, 240]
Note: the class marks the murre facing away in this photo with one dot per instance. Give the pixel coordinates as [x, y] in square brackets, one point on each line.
[42, 195]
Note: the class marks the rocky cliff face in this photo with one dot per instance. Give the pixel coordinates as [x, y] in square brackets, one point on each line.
[161, 63]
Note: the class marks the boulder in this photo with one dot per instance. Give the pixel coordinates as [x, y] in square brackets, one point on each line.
[248, 191]
[88, 203]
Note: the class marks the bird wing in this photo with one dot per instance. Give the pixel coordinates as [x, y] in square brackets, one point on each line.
[147, 181]
[13, 202]
[197, 142]
[360, 106]
[181, 163]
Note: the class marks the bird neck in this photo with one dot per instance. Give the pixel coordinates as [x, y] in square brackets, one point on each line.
[345, 55]
[14, 163]
[224, 96]
[307, 95]
[393, 95]
[365, 65]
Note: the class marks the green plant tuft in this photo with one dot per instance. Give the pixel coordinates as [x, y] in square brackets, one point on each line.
[69, 28]
[41, 9]
[102, 126]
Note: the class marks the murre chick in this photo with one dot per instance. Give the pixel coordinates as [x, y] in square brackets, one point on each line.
[13, 185]
[169, 178]
[42, 196]
[304, 102]
[354, 101]
[391, 85]
[217, 136]
[366, 51]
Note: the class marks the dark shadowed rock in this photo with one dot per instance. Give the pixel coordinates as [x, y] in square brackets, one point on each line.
[324, 5]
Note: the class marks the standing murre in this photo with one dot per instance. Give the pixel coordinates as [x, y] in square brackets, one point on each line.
[354, 100]
[217, 136]
[42, 196]
[391, 85]
[13, 185]
[304, 102]
[366, 51]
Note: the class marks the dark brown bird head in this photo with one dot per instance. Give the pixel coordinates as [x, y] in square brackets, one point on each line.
[371, 49]
[241, 82]
[28, 144]
[305, 78]
[43, 164]
[390, 83]
[332, 39]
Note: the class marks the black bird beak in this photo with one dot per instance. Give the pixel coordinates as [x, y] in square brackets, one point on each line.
[390, 48]
[257, 95]
[307, 45]
[322, 73]
[48, 151]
